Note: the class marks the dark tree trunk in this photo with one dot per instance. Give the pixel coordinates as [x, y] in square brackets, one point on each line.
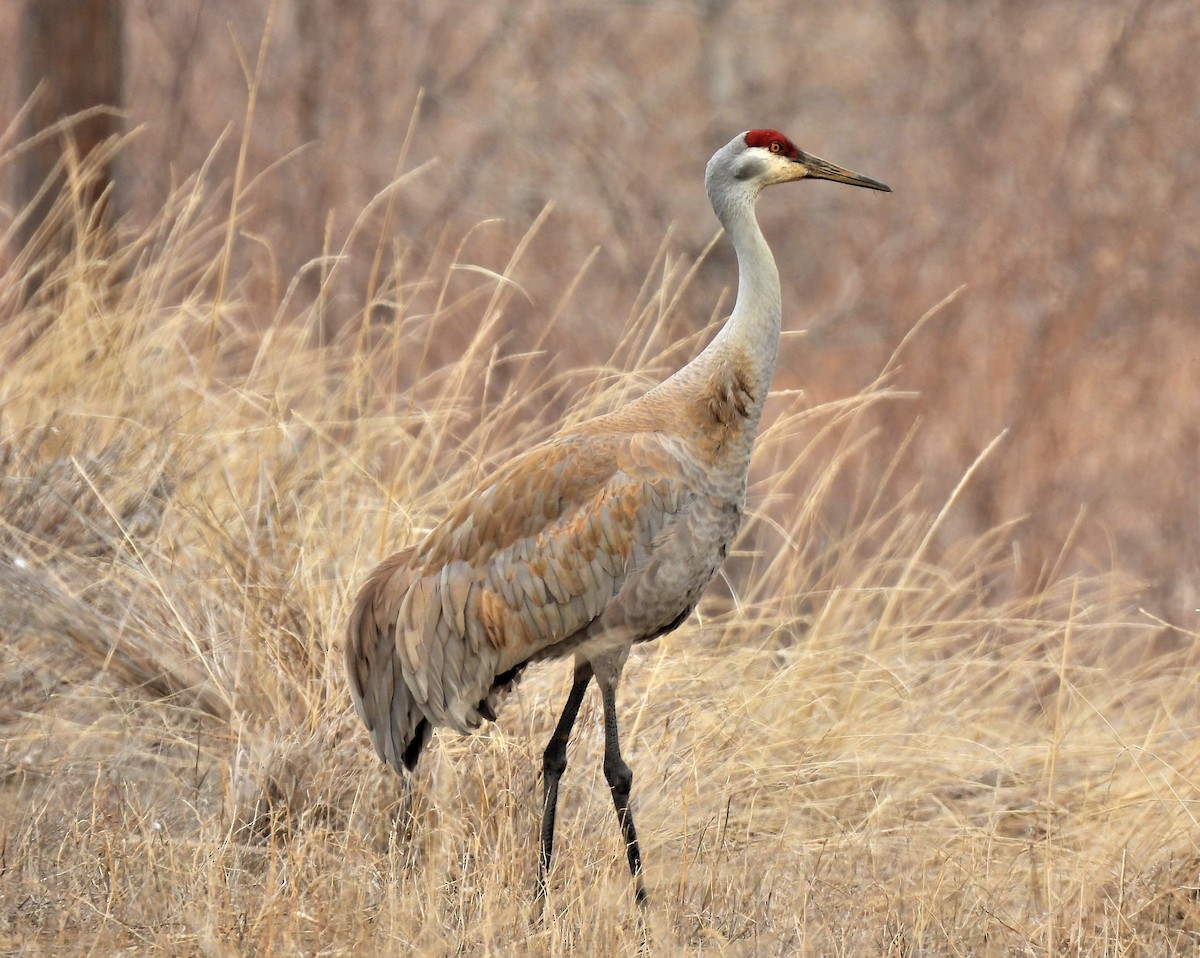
[70, 61]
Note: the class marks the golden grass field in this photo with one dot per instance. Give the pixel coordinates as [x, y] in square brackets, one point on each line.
[880, 734]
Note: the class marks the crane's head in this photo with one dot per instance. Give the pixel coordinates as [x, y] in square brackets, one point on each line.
[761, 158]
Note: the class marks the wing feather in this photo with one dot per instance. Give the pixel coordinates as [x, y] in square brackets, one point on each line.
[528, 560]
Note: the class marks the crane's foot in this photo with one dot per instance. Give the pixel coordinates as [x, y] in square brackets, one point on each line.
[537, 912]
[537, 908]
[643, 926]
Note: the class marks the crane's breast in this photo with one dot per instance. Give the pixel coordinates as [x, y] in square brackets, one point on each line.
[681, 561]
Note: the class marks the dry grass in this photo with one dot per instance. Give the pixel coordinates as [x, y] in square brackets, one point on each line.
[866, 742]
[921, 715]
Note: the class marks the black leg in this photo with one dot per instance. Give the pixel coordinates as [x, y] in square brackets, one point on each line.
[620, 779]
[554, 763]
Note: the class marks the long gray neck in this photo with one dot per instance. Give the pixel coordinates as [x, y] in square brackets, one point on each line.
[751, 334]
[749, 340]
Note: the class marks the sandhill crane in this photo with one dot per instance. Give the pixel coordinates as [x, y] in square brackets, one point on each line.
[603, 536]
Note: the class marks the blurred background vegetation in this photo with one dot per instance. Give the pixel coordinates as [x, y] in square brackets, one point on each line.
[1043, 155]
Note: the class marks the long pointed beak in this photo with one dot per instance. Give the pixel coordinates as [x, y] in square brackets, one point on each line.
[820, 169]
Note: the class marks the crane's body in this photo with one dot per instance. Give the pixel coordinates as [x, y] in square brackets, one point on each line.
[601, 537]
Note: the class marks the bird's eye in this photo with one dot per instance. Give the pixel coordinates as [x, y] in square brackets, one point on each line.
[776, 146]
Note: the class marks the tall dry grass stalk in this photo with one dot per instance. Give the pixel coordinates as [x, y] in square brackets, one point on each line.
[863, 743]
